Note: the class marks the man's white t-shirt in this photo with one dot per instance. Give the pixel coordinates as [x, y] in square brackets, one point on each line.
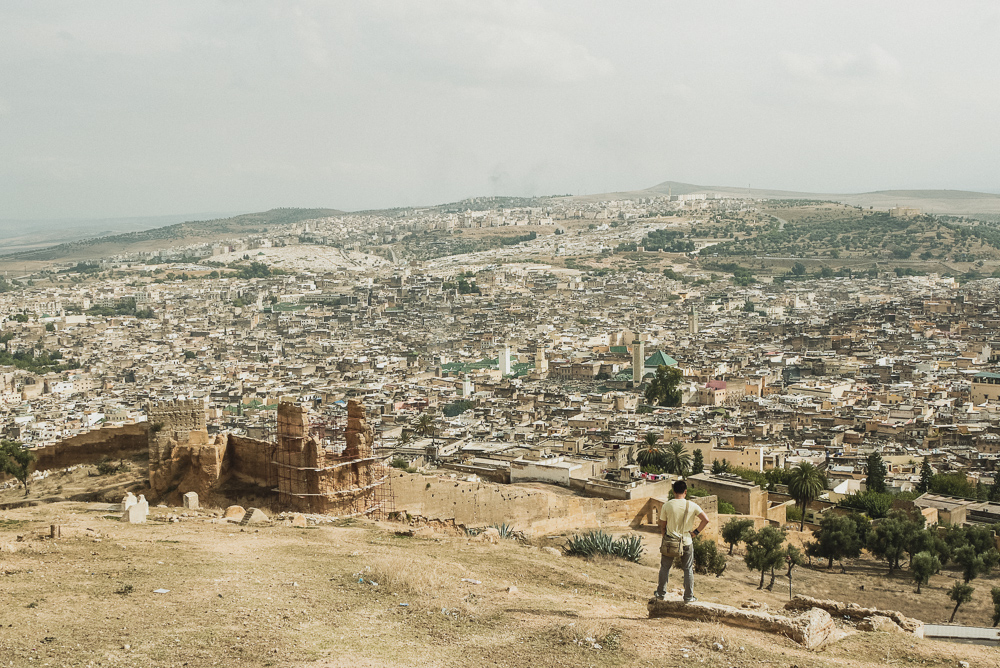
[673, 513]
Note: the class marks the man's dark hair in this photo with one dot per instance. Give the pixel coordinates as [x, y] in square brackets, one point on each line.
[680, 487]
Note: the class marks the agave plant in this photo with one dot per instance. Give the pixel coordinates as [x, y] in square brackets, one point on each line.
[505, 530]
[598, 542]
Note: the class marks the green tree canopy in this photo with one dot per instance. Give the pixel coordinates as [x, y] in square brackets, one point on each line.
[836, 540]
[16, 460]
[733, 531]
[922, 566]
[960, 592]
[926, 475]
[676, 459]
[875, 478]
[764, 551]
[697, 462]
[663, 388]
[891, 536]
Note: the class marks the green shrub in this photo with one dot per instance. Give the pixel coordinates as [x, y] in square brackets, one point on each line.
[726, 508]
[707, 558]
[107, 467]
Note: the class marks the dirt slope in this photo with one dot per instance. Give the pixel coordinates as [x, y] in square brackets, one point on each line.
[277, 595]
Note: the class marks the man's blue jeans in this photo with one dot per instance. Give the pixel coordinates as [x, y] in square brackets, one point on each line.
[687, 563]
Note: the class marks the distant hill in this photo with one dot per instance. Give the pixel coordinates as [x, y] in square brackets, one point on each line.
[185, 232]
[955, 202]
[17, 235]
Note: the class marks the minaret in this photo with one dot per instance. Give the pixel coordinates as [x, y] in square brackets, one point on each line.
[541, 362]
[505, 360]
[693, 321]
[638, 360]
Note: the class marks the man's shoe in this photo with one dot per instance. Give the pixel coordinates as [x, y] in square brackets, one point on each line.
[691, 600]
[658, 596]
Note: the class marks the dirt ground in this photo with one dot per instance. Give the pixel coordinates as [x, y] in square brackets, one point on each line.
[275, 595]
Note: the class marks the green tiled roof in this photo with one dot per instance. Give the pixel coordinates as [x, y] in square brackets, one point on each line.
[658, 358]
[464, 367]
[619, 350]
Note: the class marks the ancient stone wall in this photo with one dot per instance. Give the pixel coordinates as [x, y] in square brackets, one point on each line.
[202, 468]
[250, 460]
[481, 504]
[177, 418]
[93, 446]
[314, 479]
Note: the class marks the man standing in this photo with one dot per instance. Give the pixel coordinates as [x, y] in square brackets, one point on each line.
[677, 517]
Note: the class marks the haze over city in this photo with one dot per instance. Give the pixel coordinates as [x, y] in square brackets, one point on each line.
[117, 109]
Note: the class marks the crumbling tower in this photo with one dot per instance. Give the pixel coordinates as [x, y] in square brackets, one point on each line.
[313, 478]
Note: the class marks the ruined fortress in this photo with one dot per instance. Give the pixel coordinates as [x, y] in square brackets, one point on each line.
[302, 472]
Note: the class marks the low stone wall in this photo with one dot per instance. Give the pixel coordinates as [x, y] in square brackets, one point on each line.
[482, 503]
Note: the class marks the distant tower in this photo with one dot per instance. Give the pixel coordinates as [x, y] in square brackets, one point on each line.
[638, 360]
[693, 321]
[541, 362]
[505, 361]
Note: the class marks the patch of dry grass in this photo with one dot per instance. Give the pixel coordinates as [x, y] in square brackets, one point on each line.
[397, 571]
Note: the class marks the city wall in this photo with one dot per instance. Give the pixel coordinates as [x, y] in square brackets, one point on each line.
[93, 446]
[481, 504]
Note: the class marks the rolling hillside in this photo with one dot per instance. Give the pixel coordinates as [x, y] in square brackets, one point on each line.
[189, 232]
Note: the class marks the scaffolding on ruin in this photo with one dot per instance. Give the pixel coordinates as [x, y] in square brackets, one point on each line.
[321, 477]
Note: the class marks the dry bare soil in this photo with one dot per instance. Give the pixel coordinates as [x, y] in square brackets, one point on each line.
[276, 595]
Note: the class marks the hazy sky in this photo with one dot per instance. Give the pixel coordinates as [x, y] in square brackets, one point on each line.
[145, 108]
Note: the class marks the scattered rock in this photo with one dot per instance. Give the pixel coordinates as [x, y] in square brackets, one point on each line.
[553, 551]
[234, 511]
[855, 611]
[755, 605]
[257, 516]
[298, 520]
[879, 624]
[512, 589]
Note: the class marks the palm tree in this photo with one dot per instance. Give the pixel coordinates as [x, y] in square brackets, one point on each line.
[676, 459]
[425, 424]
[649, 453]
[804, 485]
